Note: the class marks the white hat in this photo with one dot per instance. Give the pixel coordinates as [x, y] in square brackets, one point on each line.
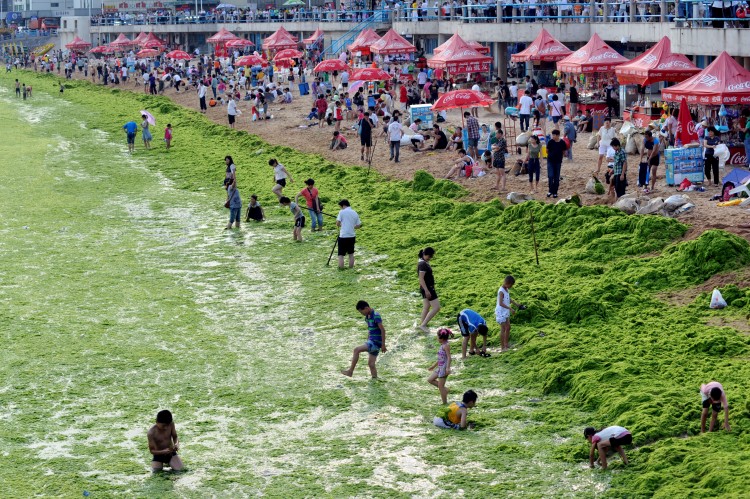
[566, 118]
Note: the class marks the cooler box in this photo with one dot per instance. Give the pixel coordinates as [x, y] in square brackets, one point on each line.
[424, 113]
[304, 89]
[684, 163]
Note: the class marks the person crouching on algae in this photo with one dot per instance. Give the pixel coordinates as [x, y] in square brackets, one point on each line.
[714, 397]
[455, 416]
[163, 443]
[612, 437]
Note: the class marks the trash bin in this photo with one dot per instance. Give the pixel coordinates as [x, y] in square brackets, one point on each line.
[304, 89]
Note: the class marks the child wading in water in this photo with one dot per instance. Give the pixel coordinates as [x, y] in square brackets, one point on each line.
[503, 311]
[163, 443]
[299, 218]
[455, 416]
[375, 339]
[443, 364]
[613, 437]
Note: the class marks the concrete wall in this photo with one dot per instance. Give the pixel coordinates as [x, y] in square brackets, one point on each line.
[691, 41]
[72, 26]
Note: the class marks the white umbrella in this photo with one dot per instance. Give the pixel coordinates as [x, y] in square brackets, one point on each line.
[149, 116]
[225, 6]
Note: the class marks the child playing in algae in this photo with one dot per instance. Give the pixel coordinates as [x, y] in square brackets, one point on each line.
[254, 210]
[713, 397]
[299, 218]
[612, 437]
[443, 364]
[375, 340]
[471, 324]
[503, 311]
[455, 415]
[163, 443]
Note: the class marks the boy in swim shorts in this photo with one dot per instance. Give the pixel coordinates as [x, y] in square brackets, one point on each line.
[612, 437]
[375, 340]
[163, 443]
[455, 416]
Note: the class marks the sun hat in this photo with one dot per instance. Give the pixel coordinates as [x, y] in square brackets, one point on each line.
[566, 118]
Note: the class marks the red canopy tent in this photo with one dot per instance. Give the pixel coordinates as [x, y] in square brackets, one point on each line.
[280, 40]
[392, 43]
[102, 49]
[594, 57]
[122, 42]
[722, 82]
[457, 56]
[138, 39]
[152, 41]
[222, 36]
[314, 37]
[219, 40]
[363, 42]
[78, 44]
[544, 48]
[656, 64]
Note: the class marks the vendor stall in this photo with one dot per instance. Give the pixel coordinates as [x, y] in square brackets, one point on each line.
[219, 41]
[657, 64]
[458, 57]
[720, 92]
[360, 47]
[592, 68]
[281, 39]
[392, 44]
[543, 52]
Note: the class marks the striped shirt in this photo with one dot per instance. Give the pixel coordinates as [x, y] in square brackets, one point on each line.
[373, 321]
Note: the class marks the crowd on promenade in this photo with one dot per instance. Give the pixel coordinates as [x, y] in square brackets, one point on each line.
[700, 13]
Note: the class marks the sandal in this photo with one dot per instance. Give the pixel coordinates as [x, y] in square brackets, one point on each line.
[484, 354]
[472, 353]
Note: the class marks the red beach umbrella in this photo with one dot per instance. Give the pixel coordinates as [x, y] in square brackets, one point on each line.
[462, 99]
[370, 74]
[287, 54]
[251, 60]
[240, 42]
[686, 130]
[147, 53]
[179, 54]
[330, 65]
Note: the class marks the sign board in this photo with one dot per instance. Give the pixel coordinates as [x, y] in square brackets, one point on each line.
[424, 113]
[684, 163]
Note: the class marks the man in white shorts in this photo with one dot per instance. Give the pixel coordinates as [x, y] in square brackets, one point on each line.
[605, 135]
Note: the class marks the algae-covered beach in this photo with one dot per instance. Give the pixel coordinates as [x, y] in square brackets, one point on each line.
[123, 296]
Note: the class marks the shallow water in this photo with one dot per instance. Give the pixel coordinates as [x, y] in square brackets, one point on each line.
[124, 296]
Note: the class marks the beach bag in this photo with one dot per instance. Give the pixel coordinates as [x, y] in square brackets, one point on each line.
[226, 205]
[684, 185]
[643, 173]
[717, 301]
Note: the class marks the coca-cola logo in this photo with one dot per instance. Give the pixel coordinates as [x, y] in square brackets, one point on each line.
[605, 55]
[533, 47]
[745, 99]
[580, 54]
[650, 59]
[552, 49]
[708, 80]
[739, 86]
[738, 159]
[674, 64]
[731, 99]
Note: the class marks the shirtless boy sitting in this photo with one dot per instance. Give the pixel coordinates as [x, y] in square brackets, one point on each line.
[163, 443]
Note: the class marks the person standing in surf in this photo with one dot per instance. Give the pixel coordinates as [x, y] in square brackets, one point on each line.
[131, 128]
[430, 300]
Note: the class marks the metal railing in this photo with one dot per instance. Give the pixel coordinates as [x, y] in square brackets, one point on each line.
[244, 17]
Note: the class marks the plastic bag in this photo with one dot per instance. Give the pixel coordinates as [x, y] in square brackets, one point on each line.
[717, 301]
[592, 142]
[590, 186]
[675, 201]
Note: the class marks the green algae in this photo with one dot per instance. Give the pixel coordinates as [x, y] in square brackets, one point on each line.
[615, 350]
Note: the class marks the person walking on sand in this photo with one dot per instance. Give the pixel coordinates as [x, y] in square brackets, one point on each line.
[503, 311]
[620, 169]
[714, 397]
[280, 174]
[348, 222]
[471, 324]
[442, 368]
[202, 89]
[499, 150]
[555, 152]
[533, 167]
[395, 132]
[231, 111]
[430, 299]
[375, 340]
[163, 443]
[365, 136]
[612, 437]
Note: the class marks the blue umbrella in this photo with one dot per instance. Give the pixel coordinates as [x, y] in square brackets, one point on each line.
[737, 176]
